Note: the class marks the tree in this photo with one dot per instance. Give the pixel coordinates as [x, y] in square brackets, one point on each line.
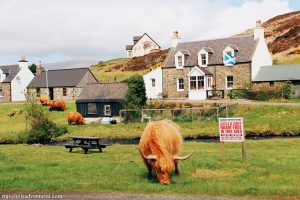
[32, 68]
[135, 97]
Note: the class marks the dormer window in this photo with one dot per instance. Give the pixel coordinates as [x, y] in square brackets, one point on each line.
[229, 55]
[203, 59]
[179, 58]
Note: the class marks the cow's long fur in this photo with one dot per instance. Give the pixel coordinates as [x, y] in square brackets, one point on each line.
[75, 118]
[57, 105]
[161, 138]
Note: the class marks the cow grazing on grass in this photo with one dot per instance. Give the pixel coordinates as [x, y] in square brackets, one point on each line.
[57, 105]
[75, 118]
[159, 147]
[45, 100]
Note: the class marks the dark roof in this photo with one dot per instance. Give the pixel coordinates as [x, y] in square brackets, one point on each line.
[204, 70]
[103, 92]
[11, 70]
[59, 78]
[244, 44]
[129, 47]
[278, 73]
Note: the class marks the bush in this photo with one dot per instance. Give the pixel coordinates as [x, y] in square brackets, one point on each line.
[42, 128]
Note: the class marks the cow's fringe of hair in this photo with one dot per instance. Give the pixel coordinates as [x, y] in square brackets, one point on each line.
[164, 160]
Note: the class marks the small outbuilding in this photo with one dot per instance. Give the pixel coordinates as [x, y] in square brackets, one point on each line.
[101, 100]
[280, 73]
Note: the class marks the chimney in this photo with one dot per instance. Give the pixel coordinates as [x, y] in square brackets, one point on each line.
[23, 63]
[259, 32]
[39, 68]
[175, 39]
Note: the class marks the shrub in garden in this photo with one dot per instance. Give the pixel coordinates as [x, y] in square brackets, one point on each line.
[41, 128]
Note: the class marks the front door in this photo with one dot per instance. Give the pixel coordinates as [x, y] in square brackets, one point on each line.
[51, 95]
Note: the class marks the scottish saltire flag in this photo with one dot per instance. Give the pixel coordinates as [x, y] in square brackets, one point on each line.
[229, 59]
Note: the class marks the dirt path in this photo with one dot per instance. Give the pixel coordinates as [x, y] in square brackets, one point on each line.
[105, 196]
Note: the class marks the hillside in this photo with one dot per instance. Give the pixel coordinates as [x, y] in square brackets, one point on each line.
[282, 34]
[120, 69]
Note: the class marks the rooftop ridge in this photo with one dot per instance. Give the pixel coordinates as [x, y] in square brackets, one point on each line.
[223, 38]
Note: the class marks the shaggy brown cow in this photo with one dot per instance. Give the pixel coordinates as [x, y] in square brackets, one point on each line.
[45, 100]
[75, 118]
[57, 105]
[159, 147]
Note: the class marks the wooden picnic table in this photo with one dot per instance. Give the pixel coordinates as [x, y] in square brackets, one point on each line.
[86, 143]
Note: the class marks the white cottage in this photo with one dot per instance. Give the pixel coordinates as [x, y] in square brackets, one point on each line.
[153, 83]
[142, 45]
[14, 80]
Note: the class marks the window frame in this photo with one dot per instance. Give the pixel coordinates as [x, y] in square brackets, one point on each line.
[209, 81]
[38, 92]
[180, 84]
[180, 63]
[153, 81]
[88, 109]
[64, 91]
[203, 59]
[231, 82]
[106, 108]
[197, 82]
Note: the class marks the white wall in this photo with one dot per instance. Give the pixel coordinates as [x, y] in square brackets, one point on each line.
[20, 82]
[2, 76]
[197, 94]
[261, 57]
[138, 49]
[152, 92]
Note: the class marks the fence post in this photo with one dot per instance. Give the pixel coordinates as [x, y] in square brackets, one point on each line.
[218, 113]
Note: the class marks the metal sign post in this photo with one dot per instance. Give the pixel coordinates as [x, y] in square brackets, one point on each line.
[232, 130]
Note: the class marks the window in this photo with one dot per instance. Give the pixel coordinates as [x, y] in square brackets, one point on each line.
[229, 82]
[64, 91]
[179, 58]
[38, 92]
[196, 82]
[209, 81]
[153, 82]
[1, 92]
[107, 111]
[92, 108]
[180, 84]
[203, 59]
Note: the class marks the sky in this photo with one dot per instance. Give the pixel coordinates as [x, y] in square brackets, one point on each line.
[64, 30]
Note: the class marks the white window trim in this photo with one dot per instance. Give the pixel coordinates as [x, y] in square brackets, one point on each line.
[107, 108]
[202, 51]
[229, 88]
[152, 87]
[176, 60]
[177, 81]
[211, 80]
[204, 84]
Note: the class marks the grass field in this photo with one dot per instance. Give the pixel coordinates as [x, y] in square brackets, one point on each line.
[272, 170]
[259, 120]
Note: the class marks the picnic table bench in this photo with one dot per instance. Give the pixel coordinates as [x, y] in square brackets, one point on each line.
[86, 143]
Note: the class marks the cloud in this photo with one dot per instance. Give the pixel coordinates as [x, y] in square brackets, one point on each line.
[96, 29]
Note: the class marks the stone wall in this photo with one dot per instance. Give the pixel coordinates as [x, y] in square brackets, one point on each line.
[6, 92]
[72, 93]
[170, 76]
[241, 78]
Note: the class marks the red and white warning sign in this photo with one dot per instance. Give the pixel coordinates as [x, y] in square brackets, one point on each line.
[231, 129]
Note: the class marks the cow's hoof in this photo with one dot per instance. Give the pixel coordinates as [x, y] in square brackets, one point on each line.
[176, 174]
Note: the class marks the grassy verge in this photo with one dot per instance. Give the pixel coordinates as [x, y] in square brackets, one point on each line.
[272, 170]
[259, 121]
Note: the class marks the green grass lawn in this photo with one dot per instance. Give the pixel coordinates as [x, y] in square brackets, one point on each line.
[272, 170]
[258, 120]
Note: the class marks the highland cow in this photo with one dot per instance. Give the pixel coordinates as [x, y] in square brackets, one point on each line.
[159, 147]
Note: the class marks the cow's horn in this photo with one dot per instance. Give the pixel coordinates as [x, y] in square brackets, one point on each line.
[182, 157]
[149, 157]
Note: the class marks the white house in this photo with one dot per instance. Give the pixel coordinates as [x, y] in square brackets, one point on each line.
[201, 69]
[142, 45]
[153, 83]
[13, 81]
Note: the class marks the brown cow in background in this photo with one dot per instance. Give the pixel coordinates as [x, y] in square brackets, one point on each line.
[159, 147]
[45, 100]
[57, 105]
[75, 118]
